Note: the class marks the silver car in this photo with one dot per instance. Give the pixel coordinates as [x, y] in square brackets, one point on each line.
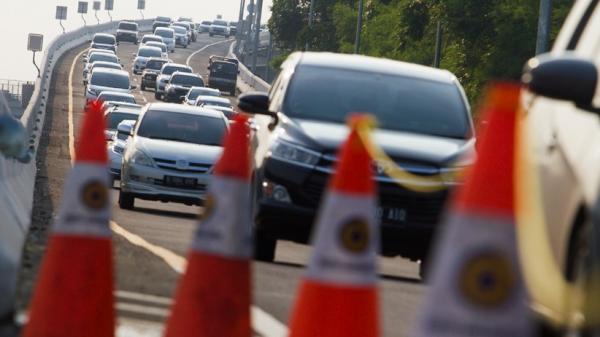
[195, 92]
[141, 57]
[171, 154]
[116, 146]
[165, 75]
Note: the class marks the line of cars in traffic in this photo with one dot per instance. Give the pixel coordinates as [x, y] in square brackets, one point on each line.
[160, 151]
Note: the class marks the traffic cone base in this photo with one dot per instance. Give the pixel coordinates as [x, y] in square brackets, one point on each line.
[225, 228]
[346, 241]
[483, 288]
[85, 203]
[331, 310]
[216, 305]
[74, 286]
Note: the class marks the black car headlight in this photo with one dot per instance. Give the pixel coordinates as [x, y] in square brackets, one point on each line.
[294, 153]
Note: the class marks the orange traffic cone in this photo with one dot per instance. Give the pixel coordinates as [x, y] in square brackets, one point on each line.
[74, 293]
[338, 296]
[476, 285]
[213, 298]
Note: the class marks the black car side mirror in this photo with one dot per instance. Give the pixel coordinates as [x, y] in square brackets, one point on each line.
[257, 103]
[565, 77]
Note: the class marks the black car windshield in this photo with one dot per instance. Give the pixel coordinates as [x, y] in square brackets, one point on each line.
[223, 68]
[187, 80]
[166, 33]
[168, 70]
[155, 64]
[104, 39]
[114, 118]
[150, 52]
[111, 80]
[206, 22]
[103, 57]
[400, 103]
[128, 26]
[182, 127]
[219, 23]
[147, 39]
[163, 19]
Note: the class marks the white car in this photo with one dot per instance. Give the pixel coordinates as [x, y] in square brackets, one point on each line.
[181, 36]
[213, 100]
[163, 47]
[219, 27]
[227, 111]
[110, 98]
[168, 36]
[151, 38]
[91, 51]
[171, 154]
[104, 41]
[190, 98]
[96, 57]
[104, 79]
[204, 26]
[116, 146]
[142, 56]
[165, 75]
[101, 64]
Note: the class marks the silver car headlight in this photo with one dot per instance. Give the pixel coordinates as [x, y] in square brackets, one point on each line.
[140, 158]
[295, 153]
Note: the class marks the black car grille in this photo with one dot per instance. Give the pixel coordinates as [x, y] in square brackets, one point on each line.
[168, 164]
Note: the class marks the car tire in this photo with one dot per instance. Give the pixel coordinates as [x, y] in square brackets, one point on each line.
[264, 247]
[157, 95]
[142, 87]
[232, 93]
[126, 200]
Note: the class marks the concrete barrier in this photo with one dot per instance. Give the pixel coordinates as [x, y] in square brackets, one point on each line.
[17, 175]
[249, 81]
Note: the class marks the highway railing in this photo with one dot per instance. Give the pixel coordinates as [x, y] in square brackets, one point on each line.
[18, 145]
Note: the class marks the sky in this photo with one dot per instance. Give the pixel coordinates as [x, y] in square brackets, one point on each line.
[18, 18]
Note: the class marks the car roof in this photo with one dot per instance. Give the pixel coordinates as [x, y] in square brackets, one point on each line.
[213, 98]
[146, 47]
[205, 89]
[152, 35]
[159, 59]
[181, 73]
[115, 93]
[371, 64]
[180, 108]
[106, 54]
[105, 63]
[103, 51]
[111, 71]
[217, 107]
[178, 65]
[162, 28]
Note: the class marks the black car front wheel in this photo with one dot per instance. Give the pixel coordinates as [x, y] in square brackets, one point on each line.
[264, 247]
[126, 200]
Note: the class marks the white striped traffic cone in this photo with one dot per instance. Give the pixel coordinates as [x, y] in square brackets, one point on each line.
[476, 284]
[338, 296]
[74, 292]
[213, 298]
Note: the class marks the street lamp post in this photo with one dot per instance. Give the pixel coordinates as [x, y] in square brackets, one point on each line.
[541, 45]
[258, 12]
[359, 21]
[311, 14]
[240, 26]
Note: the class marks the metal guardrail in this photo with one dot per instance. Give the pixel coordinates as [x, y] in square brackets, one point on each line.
[19, 141]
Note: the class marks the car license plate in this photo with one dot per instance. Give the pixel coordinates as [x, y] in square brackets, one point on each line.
[392, 214]
[180, 181]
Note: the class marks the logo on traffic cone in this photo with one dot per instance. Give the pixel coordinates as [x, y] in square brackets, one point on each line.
[213, 298]
[476, 284]
[338, 296]
[74, 292]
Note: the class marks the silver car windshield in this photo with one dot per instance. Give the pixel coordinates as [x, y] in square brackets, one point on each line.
[149, 52]
[220, 23]
[165, 33]
[103, 57]
[182, 127]
[111, 80]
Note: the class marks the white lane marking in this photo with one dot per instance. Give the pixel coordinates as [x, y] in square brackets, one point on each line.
[174, 261]
[70, 112]
[130, 295]
[142, 309]
[189, 59]
[262, 322]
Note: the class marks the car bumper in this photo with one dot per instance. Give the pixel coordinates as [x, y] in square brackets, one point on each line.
[175, 96]
[222, 85]
[148, 183]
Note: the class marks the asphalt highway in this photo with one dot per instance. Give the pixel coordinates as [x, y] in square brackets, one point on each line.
[152, 240]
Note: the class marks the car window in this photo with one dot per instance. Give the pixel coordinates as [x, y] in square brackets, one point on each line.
[155, 64]
[114, 118]
[179, 30]
[400, 103]
[223, 68]
[166, 33]
[206, 22]
[110, 80]
[103, 57]
[168, 70]
[116, 98]
[194, 93]
[220, 23]
[128, 26]
[149, 52]
[182, 127]
[104, 39]
[187, 80]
